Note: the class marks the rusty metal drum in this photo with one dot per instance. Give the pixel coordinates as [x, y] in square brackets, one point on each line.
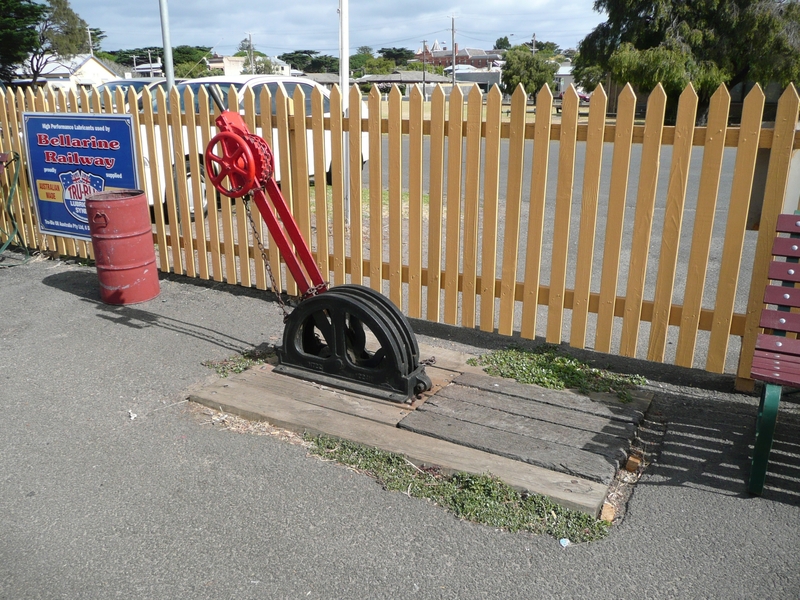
[122, 239]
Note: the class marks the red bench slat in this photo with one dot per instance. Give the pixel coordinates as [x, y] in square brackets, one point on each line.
[778, 378]
[780, 320]
[776, 358]
[788, 224]
[777, 344]
[788, 247]
[786, 366]
[784, 271]
[782, 296]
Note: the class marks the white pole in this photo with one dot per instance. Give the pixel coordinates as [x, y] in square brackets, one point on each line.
[167, 66]
[344, 84]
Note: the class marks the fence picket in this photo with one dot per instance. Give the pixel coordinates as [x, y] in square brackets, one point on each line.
[516, 158]
[148, 117]
[337, 181]
[535, 235]
[673, 217]
[375, 191]
[300, 174]
[643, 220]
[356, 202]
[491, 207]
[415, 117]
[615, 219]
[395, 198]
[472, 181]
[268, 129]
[703, 225]
[588, 218]
[435, 203]
[214, 253]
[179, 181]
[731, 259]
[285, 147]
[320, 182]
[455, 149]
[561, 226]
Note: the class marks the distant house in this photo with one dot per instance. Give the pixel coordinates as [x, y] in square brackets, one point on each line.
[563, 78]
[229, 65]
[82, 70]
[440, 56]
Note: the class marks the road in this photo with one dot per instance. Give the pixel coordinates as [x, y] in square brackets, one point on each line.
[95, 504]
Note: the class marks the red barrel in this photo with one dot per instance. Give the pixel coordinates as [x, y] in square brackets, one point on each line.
[122, 239]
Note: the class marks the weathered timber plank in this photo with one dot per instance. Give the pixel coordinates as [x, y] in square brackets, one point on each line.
[631, 412]
[548, 455]
[569, 491]
[522, 409]
[262, 382]
[497, 421]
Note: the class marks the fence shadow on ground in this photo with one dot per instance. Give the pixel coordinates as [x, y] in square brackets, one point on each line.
[709, 445]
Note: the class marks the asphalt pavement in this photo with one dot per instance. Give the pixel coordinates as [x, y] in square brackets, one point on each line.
[97, 504]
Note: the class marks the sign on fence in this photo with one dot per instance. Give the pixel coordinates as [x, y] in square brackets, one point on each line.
[71, 157]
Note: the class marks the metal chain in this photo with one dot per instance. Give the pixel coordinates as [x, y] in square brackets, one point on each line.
[267, 264]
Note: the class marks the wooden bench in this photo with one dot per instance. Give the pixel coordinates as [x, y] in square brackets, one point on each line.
[777, 357]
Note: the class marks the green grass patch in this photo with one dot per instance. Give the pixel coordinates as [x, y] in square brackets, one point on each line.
[479, 498]
[239, 362]
[549, 367]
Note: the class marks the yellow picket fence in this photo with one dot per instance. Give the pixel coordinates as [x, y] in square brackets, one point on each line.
[626, 236]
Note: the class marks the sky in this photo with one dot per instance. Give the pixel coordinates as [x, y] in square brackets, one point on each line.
[277, 28]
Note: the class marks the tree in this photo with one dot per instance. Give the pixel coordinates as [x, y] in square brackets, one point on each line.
[706, 42]
[97, 35]
[18, 19]
[299, 59]
[379, 66]
[323, 63]
[429, 68]
[185, 54]
[400, 56]
[502, 43]
[190, 70]
[61, 33]
[548, 48]
[360, 58]
[529, 69]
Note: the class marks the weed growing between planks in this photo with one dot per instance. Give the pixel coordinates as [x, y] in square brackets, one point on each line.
[550, 368]
[479, 498]
[240, 362]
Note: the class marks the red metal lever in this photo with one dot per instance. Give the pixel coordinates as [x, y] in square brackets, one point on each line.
[246, 161]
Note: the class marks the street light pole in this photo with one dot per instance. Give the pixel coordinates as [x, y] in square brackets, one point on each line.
[424, 92]
[169, 71]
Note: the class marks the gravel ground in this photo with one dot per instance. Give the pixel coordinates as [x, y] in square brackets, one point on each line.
[170, 504]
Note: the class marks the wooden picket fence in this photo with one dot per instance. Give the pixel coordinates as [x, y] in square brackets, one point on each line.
[452, 236]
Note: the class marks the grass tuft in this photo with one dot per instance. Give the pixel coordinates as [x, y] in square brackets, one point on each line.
[478, 498]
[240, 362]
[549, 367]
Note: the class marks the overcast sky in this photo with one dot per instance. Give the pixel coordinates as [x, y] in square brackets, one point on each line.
[278, 27]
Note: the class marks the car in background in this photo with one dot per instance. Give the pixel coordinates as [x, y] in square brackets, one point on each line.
[138, 84]
[219, 88]
[583, 97]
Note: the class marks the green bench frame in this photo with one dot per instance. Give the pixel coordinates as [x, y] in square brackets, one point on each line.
[777, 357]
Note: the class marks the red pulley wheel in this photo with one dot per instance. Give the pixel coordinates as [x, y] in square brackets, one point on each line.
[235, 162]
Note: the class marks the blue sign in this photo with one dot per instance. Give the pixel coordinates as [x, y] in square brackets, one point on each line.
[71, 157]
